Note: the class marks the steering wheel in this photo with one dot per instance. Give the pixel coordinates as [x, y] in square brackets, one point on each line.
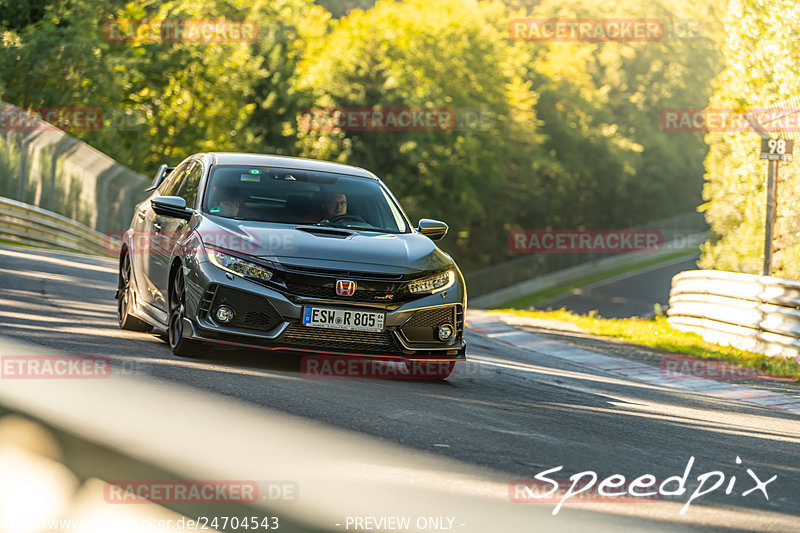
[346, 216]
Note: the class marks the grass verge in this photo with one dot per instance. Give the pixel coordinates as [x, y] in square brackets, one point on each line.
[525, 302]
[26, 245]
[657, 333]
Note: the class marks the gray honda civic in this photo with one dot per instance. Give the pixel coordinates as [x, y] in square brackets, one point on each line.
[289, 254]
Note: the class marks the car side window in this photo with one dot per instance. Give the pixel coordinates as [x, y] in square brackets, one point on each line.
[173, 181]
[189, 185]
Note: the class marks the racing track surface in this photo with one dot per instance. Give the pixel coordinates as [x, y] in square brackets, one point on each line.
[632, 294]
[510, 410]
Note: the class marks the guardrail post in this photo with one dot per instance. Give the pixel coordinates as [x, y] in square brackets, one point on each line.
[772, 198]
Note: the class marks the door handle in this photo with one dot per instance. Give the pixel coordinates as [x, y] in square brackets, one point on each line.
[140, 216]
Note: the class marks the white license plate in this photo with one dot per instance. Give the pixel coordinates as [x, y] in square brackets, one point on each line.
[350, 319]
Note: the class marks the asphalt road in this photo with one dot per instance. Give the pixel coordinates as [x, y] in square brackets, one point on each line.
[632, 294]
[510, 410]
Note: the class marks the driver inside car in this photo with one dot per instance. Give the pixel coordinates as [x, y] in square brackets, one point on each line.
[331, 205]
[334, 205]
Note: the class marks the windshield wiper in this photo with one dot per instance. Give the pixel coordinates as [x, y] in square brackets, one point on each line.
[326, 224]
[359, 228]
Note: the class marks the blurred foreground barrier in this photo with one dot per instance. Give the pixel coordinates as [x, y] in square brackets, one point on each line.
[73, 452]
[755, 313]
[27, 224]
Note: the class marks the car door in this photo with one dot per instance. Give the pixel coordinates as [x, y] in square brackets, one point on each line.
[169, 230]
[152, 236]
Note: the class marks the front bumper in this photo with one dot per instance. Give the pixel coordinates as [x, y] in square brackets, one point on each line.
[267, 318]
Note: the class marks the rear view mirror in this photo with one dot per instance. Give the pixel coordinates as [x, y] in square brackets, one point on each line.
[433, 229]
[171, 206]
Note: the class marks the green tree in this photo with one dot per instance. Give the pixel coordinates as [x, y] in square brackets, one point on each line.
[189, 96]
[762, 58]
[446, 54]
[601, 103]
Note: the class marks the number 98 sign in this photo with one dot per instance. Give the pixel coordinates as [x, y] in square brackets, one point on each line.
[776, 149]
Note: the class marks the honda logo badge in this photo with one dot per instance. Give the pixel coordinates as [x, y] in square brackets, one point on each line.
[345, 287]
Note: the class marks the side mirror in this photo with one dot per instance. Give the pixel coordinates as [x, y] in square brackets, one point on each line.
[433, 229]
[161, 175]
[171, 206]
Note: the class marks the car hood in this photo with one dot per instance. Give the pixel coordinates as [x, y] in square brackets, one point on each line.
[325, 247]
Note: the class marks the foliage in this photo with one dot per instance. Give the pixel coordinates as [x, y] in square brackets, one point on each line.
[569, 138]
[430, 55]
[762, 58]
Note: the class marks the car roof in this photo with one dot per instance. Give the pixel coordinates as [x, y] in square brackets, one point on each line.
[280, 161]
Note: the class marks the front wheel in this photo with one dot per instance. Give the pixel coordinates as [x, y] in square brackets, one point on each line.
[126, 320]
[177, 312]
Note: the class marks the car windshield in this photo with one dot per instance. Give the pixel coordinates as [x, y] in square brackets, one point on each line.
[292, 196]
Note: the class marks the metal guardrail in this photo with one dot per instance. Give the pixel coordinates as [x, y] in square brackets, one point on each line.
[27, 224]
[750, 312]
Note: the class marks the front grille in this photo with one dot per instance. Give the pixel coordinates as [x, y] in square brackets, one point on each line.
[365, 341]
[421, 327]
[377, 292]
[251, 311]
[431, 317]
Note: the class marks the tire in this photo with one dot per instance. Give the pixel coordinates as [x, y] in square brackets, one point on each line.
[179, 345]
[126, 320]
[433, 371]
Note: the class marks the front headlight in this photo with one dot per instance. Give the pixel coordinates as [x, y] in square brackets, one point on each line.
[238, 266]
[433, 284]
